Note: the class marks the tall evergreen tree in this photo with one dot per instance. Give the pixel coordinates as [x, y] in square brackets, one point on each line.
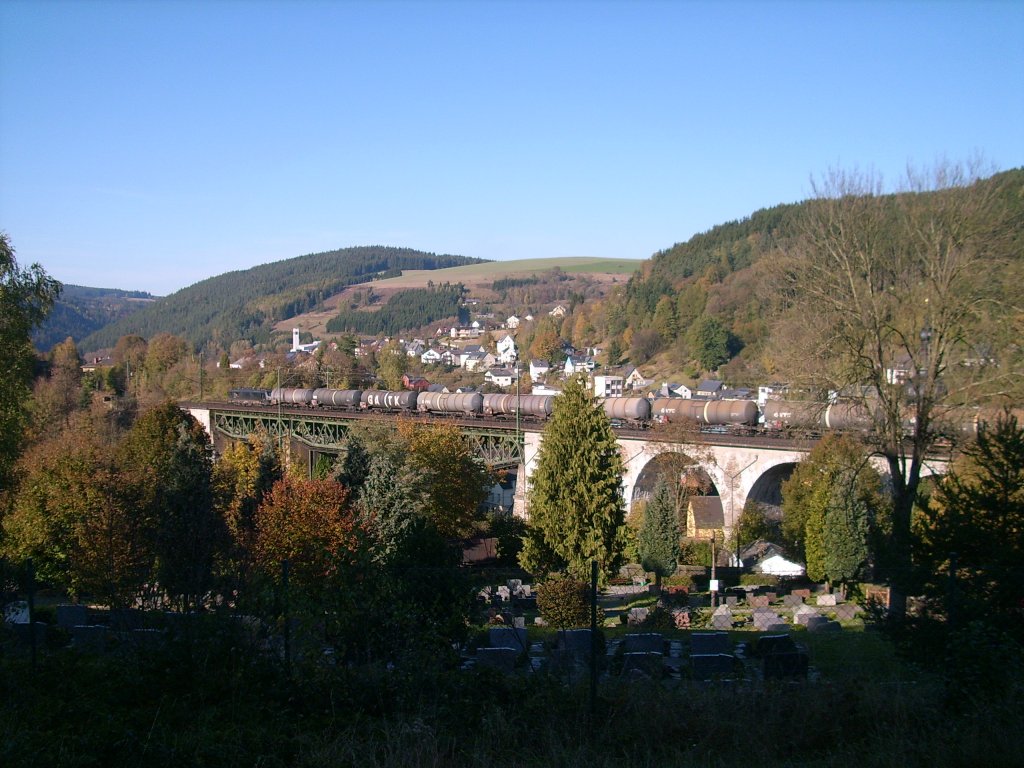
[658, 543]
[575, 501]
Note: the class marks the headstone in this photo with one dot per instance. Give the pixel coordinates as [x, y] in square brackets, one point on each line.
[803, 613]
[681, 617]
[772, 596]
[821, 624]
[792, 601]
[780, 643]
[503, 659]
[758, 601]
[89, 638]
[538, 621]
[829, 600]
[706, 666]
[16, 612]
[847, 611]
[721, 621]
[485, 594]
[504, 593]
[780, 627]
[703, 643]
[764, 618]
[514, 584]
[69, 616]
[642, 663]
[646, 642]
[732, 601]
[519, 622]
[576, 642]
[508, 637]
[637, 616]
[804, 593]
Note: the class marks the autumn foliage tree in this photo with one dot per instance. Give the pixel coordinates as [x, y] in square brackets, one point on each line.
[312, 524]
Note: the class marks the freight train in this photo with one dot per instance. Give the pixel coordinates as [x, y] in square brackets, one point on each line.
[733, 416]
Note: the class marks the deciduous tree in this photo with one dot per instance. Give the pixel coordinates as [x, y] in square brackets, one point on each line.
[881, 278]
[26, 298]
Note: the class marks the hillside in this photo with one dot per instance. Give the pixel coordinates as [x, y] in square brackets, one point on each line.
[81, 311]
[591, 278]
[246, 304]
[715, 290]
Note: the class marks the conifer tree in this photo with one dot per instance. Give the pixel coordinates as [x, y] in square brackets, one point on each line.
[659, 535]
[575, 502]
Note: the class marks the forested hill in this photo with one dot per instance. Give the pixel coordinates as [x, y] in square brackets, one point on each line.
[80, 311]
[245, 304]
[712, 286]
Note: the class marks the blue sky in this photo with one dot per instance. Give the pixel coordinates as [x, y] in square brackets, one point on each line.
[149, 145]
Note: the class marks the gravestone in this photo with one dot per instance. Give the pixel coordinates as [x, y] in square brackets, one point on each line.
[89, 638]
[484, 594]
[722, 621]
[16, 612]
[828, 600]
[821, 624]
[705, 666]
[804, 593]
[647, 663]
[803, 613]
[646, 642]
[681, 618]
[504, 593]
[576, 642]
[519, 622]
[508, 637]
[765, 617]
[792, 601]
[781, 643]
[758, 601]
[771, 596]
[732, 601]
[69, 616]
[709, 643]
[847, 611]
[637, 616]
[514, 584]
[503, 659]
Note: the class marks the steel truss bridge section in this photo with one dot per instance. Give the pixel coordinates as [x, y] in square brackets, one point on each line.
[497, 446]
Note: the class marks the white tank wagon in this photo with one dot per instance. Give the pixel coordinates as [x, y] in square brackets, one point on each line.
[632, 409]
[385, 400]
[471, 403]
[291, 396]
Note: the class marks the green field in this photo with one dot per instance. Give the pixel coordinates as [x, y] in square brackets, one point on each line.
[493, 270]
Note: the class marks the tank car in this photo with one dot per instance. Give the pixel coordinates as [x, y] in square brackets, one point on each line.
[470, 403]
[291, 396]
[705, 412]
[388, 401]
[629, 409]
[337, 398]
[500, 405]
[536, 406]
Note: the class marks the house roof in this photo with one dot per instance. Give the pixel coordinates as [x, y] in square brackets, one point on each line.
[709, 385]
[707, 511]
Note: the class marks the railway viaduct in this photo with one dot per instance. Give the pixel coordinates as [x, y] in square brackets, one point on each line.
[735, 468]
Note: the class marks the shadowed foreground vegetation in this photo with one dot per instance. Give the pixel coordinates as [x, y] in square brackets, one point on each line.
[213, 700]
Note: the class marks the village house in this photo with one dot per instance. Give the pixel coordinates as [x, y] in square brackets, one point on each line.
[430, 357]
[558, 311]
[512, 322]
[704, 517]
[709, 389]
[608, 386]
[507, 352]
[500, 377]
[539, 369]
[579, 364]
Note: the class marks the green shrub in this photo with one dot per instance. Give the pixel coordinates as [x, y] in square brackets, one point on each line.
[509, 531]
[564, 602]
[759, 580]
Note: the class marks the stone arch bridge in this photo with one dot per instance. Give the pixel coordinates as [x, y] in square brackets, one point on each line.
[735, 468]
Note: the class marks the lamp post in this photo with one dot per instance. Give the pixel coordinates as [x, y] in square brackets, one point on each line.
[732, 507]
